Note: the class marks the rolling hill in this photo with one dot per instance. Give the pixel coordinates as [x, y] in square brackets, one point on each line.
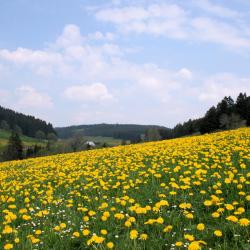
[27, 141]
[27, 123]
[187, 193]
[118, 131]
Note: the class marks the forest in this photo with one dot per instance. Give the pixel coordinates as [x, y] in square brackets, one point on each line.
[227, 114]
[26, 124]
[131, 132]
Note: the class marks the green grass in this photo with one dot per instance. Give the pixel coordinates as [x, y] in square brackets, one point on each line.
[144, 182]
[101, 139]
[27, 141]
[63, 145]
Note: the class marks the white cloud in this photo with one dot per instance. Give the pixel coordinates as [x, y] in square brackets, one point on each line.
[111, 49]
[23, 55]
[136, 88]
[70, 51]
[122, 15]
[95, 92]
[1, 69]
[101, 36]
[165, 19]
[79, 60]
[173, 21]
[209, 30]
[185, 73]
[224, 84]
[218, 10]
[145, 79]
[138, 13]
[28, 97]
[43, 62]
[71, 36]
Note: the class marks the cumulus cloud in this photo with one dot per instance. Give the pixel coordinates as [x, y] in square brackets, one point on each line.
[69, 52]
[122, 15]
[137, 87]
[185, 73]
[93, 92]
[43, 62]
[165, 19]
[101, 36]
[71, 36]
[138, 13]
[176, 22]
[216, 9]
[103, 62]
[23, 56]
[28, 97]
[214, 31]
[217, 86]
[145, 79]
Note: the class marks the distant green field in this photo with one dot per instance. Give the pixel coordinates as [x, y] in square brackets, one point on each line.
[60, 146]
[101, 139]
[96, 139]
[27, 141]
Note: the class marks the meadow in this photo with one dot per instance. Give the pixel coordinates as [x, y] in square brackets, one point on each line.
[187, 193]
[110, 141]
[27, 141]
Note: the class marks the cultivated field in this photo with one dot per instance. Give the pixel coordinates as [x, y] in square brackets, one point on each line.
[189, 193]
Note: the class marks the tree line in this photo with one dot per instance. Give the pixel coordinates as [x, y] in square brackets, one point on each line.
[227, 114]
[131, 132]
[26, 124]
[15, 149]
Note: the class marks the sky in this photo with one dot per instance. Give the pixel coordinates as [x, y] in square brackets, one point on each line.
[141, 62]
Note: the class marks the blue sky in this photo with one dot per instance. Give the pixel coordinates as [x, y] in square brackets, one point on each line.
[147, 62]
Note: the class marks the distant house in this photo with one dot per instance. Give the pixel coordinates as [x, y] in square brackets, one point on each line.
[90, 144]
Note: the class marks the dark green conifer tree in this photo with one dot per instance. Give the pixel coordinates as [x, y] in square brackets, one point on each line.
[14, 149]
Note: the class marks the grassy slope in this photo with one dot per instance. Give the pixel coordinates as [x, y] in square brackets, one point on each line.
[27, 141]
[151, 173]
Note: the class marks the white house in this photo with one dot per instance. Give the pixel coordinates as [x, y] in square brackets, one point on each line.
[90, 144]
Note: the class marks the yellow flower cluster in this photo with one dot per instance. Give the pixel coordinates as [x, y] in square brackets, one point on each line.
[182, 193]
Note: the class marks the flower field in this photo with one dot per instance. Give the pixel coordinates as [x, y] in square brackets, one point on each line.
[188, 193]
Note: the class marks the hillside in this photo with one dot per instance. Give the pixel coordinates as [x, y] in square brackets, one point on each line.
[227, 114]
[187, 193]
[29, 125]
[119, 131]
[27, 141]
